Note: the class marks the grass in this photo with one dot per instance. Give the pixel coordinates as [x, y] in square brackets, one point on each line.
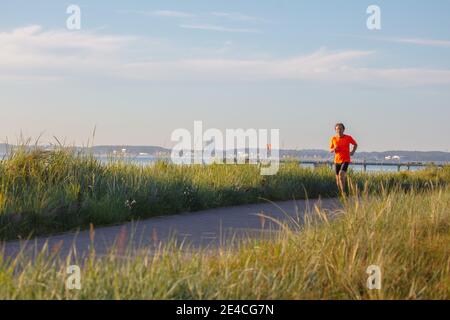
[43, 192]
[406, 234]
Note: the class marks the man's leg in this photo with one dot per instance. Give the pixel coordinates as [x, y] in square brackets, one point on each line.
[343, 180]
[338, 176]
[343, 176]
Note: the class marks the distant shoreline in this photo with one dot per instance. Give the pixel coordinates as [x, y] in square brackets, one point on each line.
[394, 156]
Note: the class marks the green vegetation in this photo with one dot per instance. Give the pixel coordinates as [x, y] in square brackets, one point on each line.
[406, 234]
[44, 192]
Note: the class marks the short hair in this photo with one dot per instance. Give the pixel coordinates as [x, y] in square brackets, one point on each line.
[340, 125]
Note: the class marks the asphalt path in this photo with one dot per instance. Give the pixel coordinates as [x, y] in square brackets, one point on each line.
[204, 229]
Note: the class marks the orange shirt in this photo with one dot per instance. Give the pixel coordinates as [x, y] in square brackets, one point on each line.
[342, 145]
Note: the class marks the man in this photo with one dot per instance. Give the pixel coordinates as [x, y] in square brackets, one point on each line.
[340, 146]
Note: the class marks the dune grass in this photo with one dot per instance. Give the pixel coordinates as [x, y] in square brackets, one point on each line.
[43, 192]
[406, 234]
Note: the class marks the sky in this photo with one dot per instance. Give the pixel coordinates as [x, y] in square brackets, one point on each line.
[138, 70]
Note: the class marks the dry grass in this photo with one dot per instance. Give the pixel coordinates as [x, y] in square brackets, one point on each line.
[46, 192]
[405, 233]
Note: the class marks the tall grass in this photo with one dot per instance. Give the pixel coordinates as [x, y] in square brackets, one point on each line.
[44, 192]
[406, 234]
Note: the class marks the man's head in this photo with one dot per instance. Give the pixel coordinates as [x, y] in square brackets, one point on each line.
[340, 128]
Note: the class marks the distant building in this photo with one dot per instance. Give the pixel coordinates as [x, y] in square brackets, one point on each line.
[392, 158]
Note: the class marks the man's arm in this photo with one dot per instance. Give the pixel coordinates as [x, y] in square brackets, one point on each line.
[332, 146]
[355, 147]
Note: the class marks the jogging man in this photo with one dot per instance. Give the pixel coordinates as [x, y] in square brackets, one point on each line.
[340, 146]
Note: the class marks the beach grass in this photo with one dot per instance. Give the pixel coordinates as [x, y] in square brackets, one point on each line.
[405, 234]
[45, 192]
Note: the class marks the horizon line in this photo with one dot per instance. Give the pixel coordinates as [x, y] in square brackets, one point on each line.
[168, 148]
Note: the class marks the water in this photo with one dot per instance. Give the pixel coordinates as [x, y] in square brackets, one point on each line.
[148, 159]
[145, 160]
[378, 168]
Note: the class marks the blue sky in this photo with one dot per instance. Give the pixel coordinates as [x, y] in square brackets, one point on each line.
[137, 70]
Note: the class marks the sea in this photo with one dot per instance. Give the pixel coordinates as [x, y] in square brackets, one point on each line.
[148, 160]
[145, 160]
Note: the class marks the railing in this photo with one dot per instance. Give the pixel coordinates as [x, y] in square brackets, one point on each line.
[365, 164]
[322, 163]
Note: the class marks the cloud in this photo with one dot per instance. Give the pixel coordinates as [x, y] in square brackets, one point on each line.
[237, 16]
[161, 13]
[424, 42]
[414, 41]
[31, 54]
[172, 14]
[208, 27]
[313, 66]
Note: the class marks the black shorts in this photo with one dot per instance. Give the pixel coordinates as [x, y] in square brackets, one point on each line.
[341, 166]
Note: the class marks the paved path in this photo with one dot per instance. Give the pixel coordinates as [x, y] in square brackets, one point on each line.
[204, 229]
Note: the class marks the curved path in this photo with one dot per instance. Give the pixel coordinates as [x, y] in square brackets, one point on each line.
[202, 229]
